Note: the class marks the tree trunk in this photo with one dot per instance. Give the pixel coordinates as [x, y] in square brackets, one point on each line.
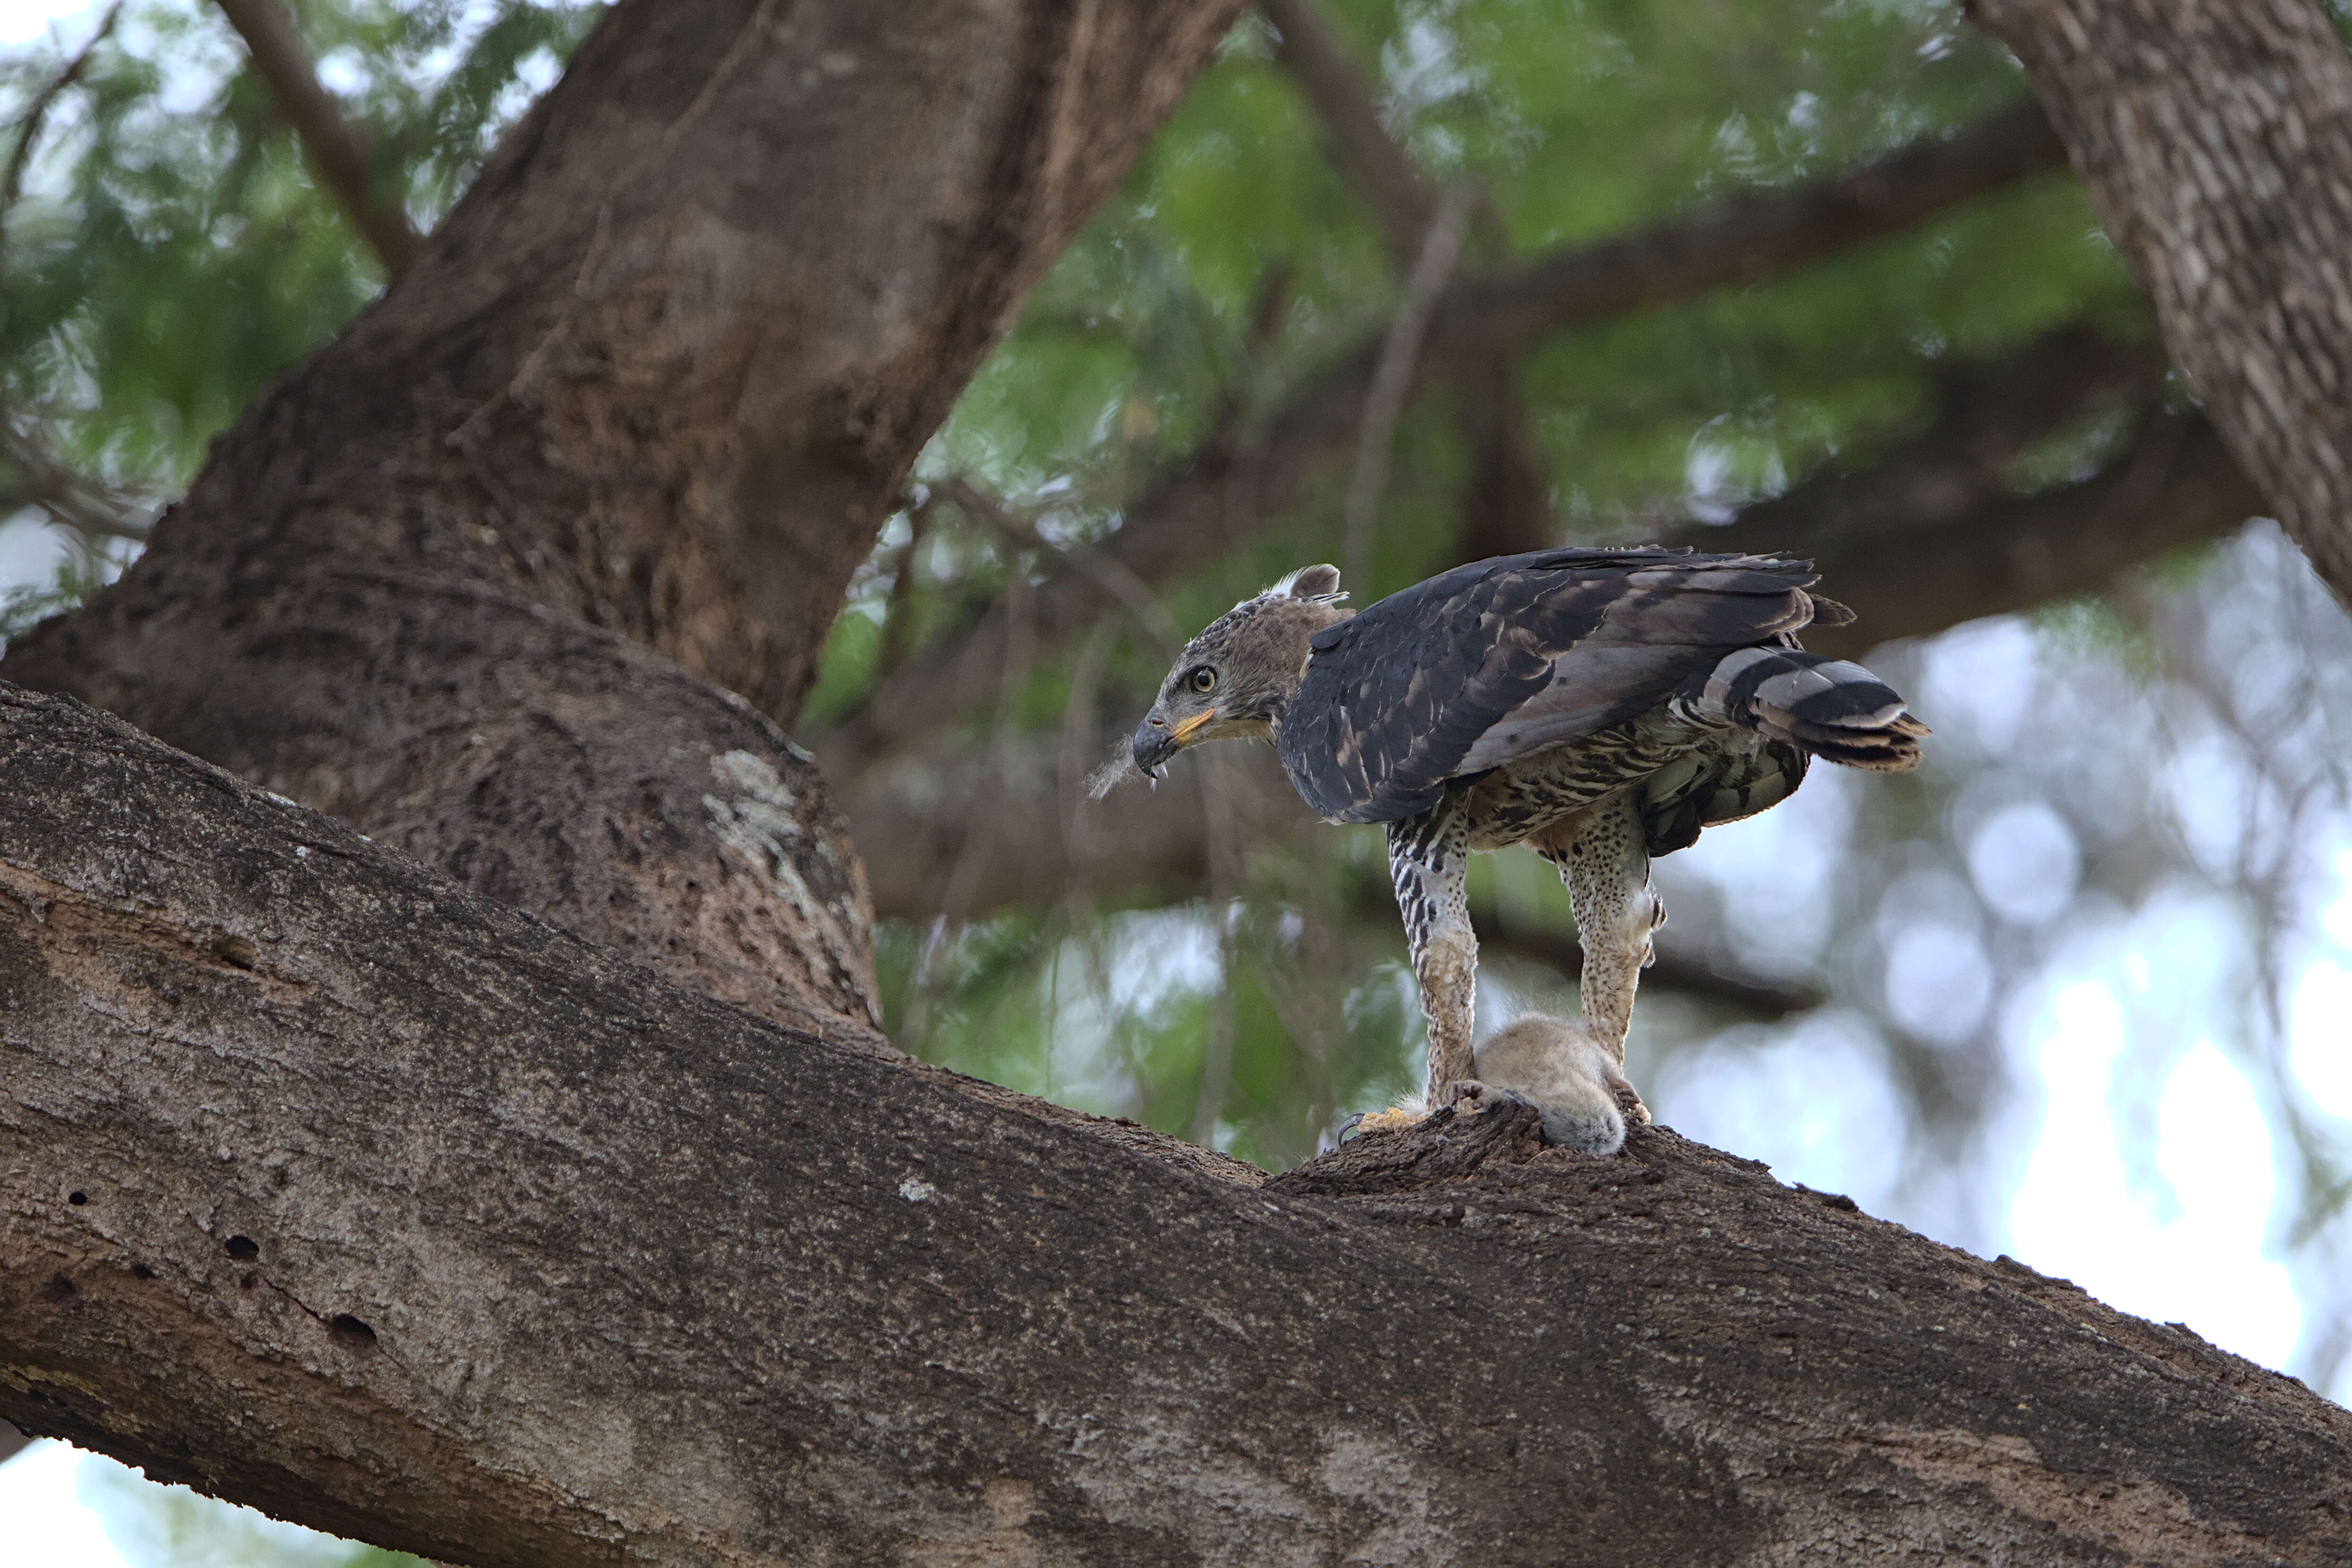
[2217, 144]
[468, 1217]
[339, 1190]
[654, 383]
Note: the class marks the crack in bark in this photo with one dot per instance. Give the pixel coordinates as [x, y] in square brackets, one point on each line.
[83, 935]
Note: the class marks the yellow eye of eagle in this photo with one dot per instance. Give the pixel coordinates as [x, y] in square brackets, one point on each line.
[1204, 680]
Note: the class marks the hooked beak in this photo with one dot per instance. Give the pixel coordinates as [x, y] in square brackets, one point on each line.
[1155, 741]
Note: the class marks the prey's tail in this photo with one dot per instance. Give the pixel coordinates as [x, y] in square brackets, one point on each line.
[1828, 706]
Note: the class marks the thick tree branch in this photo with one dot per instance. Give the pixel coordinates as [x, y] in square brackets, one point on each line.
[2216, 144]
[1743, 241]
[1507, 497]
[1182, 517]
[338, 149]
[334, 1189]
[638, 391]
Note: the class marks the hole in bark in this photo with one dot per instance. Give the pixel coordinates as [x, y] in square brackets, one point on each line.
[351, 1333]
[77, 1199]
[140, 1271]
[236, 951]
[243, 1247]
[59, 1289]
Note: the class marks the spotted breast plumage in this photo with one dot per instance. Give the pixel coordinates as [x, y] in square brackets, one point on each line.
[1599, 706]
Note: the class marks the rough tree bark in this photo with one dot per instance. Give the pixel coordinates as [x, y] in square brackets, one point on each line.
[2216, 141]
[411, 1198]
[340, 1191]
[654, 383]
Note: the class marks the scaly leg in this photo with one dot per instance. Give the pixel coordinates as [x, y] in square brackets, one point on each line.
[1429, 859]
[1605, 861]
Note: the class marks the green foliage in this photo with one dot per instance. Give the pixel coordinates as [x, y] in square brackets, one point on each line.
[1578, 120]
[171, 254]
[1169, 1017]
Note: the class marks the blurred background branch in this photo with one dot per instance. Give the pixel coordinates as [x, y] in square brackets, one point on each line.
[337, 149]
[34, 118]
[36, 479]
[1506, 502]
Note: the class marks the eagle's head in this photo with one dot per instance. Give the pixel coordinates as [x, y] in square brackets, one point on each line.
[1233, 680]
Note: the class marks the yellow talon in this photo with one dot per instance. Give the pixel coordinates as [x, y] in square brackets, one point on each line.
[1395, 1119]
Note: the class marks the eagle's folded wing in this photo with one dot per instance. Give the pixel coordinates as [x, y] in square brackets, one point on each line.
[1488, 662]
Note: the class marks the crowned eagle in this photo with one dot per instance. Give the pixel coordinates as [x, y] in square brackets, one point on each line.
[1599, 706]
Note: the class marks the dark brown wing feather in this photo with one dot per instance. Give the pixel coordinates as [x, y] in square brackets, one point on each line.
[1487, 662]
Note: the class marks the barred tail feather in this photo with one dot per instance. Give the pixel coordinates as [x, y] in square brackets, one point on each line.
[1829, 707]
